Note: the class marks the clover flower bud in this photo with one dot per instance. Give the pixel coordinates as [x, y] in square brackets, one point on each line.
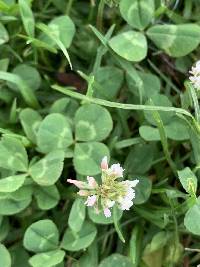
[195, 78]
[104, 163]
[78, 184]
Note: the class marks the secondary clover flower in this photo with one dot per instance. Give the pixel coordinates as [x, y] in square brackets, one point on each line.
[195, 78]
[110, 192]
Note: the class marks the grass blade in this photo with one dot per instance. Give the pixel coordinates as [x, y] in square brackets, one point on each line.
[48, 31]
[192, 92]
[25, 90]
[27, 17]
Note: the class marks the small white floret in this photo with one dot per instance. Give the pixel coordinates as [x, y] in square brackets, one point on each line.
[91, 200]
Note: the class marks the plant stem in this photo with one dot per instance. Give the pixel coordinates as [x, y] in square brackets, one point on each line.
[100, 15]
[111, 104]
[69, 6]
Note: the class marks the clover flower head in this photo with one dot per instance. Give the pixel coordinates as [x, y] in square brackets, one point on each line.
[110, 192]
[195, 77]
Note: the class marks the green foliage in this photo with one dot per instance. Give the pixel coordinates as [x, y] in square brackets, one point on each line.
[4, 37]
[15, 202]
[46, 171]
[47, 197]
[130, 45]
[175, 40]
[138, 14]
[29, 74]
[77, 215]
[41, 236]
[80, 80]
[191, 219]
[92, 123]
[5, 256]
[13, 155]
[110, 80]
[58, 26]
[100, 218]
[87, 157]
[27, 17]
[12, 183]
[188, 180]
[51, 258]
[54, 133]
[30, 120]
[79, 240]
[115, 259]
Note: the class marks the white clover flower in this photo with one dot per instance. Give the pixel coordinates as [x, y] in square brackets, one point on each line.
[196, 70]
[195, 78]
[110, 192]
[91, 200]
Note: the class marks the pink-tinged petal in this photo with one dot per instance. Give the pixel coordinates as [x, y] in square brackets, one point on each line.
[77, 183]
[91, 200]
[83, 193]
[107, 212]
[104, 163]
[91, 182]
[117, 170]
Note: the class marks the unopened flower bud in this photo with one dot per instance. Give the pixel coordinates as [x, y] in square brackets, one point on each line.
[104, 163]
[78, 184]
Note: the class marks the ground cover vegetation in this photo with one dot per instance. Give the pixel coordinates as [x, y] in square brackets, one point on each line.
[99, 98]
